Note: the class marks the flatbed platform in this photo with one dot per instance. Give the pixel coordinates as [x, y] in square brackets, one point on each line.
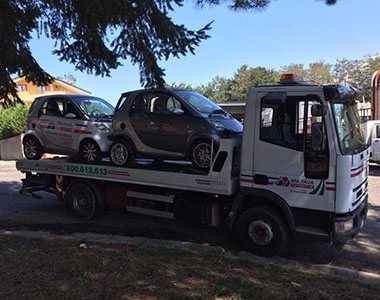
[221, 179]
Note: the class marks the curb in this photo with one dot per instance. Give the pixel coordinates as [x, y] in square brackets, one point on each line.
[364, 277]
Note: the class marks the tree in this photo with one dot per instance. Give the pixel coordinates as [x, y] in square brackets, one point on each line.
[342, 71]
[298, 69]
[218, 90]
[68, 77]
[246, 77]
[318, 71]
[96, 35]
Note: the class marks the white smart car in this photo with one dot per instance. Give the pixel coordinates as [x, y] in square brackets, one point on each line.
[69, 125]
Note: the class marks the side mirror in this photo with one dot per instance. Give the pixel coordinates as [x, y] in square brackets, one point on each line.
[317, 137]
[178, 111]
[318, 110]
[70, 116]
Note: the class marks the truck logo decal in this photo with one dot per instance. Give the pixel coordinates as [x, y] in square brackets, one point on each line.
[281, 181]
[320, 189]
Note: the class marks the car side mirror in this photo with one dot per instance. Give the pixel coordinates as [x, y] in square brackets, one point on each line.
[70, 116]
[178, 111]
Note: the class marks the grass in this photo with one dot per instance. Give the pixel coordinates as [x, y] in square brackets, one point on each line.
[57, 269]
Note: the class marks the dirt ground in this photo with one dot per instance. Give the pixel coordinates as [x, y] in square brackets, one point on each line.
[58, 269]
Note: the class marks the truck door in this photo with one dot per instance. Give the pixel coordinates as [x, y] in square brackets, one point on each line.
[376, 143]
[285, 159]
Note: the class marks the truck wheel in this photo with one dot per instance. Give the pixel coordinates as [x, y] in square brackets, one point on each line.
[201, 154]
[263, 231]
[121, 153]
[90, 152]
[84, 200]
[32, 148]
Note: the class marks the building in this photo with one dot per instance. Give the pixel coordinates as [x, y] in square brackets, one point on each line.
[27, 91]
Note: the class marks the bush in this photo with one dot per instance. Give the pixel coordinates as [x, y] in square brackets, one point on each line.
[13, 121]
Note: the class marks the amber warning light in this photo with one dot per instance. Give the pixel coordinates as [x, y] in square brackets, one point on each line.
[290, 78]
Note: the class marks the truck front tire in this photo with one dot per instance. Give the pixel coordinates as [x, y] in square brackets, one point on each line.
[263, 231]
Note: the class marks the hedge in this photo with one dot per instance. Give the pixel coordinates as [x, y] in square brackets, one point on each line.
[13, 121]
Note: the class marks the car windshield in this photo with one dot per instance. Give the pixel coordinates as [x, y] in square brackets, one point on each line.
[200, 102]
[95, 108]
[348, 126]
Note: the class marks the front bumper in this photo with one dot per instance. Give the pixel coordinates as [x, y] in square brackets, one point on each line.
[348, 226]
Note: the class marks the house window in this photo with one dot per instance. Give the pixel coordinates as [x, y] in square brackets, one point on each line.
[22, 88]
[41, 89]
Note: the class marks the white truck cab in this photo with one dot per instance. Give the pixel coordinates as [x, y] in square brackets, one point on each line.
[304, 161]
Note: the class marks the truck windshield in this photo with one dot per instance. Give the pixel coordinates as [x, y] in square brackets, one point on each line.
[349, 130]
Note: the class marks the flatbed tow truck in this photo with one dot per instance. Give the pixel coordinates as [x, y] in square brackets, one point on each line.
[299, 170]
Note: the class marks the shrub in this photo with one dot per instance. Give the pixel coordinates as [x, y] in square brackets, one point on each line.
[13, 121]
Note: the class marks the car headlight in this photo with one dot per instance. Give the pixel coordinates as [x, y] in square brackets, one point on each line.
[217, 125]
[102, 127]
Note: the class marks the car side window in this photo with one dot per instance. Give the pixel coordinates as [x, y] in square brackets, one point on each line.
[139, 105]
[52, 107]
[159, 105]
[173, 104]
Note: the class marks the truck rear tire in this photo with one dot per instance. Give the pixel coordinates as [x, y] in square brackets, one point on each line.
[263, 231]
[84, 200]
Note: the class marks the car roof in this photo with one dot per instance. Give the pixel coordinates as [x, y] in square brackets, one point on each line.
[65, 96]
[149, 90]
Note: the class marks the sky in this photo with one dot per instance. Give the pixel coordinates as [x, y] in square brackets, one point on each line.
[286, 32]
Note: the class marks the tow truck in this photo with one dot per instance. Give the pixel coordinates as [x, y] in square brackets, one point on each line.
[299, 170]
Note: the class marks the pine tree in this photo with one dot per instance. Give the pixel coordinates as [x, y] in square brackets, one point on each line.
[96, 35]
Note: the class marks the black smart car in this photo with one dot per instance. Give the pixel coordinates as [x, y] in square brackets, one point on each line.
[169, 124]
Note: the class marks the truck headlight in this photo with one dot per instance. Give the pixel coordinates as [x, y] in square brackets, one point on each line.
[342, 227]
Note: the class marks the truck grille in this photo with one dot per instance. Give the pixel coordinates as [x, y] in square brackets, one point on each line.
[360, 193]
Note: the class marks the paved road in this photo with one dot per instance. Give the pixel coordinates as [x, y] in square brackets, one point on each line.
[47, 214]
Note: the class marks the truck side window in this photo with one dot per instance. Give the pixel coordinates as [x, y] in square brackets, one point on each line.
[278, 121]
[315, 163]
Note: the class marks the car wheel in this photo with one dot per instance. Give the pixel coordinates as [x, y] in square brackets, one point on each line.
[201, 155]
[121, 153]
[90, 152]
[32, 148]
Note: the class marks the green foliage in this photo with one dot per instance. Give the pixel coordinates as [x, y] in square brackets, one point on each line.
[95, 36]
[357, 73]
[13, 121]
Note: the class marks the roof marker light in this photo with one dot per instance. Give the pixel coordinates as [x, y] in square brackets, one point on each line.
[290, 78]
